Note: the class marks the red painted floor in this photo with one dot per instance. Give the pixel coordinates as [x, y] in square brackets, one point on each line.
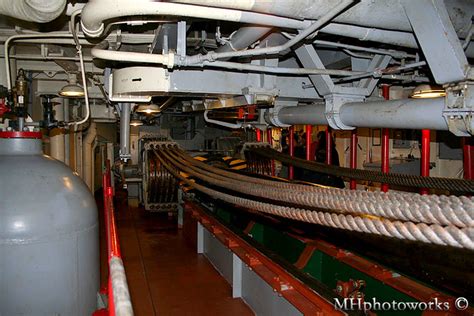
[164, 273]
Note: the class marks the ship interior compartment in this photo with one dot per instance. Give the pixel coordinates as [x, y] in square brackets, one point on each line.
[236, 157]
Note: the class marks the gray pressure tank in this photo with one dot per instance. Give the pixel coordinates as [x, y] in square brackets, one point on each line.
[49, 234]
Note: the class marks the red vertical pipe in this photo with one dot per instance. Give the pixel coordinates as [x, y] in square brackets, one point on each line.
[328, 146]
[353, 183]
[270, 141]
[308, 142]
[258, 135]
[385, 141]
[468, 157]
[425, 156]
[291, 145]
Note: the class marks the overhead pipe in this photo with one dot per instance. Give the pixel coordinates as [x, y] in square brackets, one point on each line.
[404, 114]
[95, 12]
[38, 11]
[383, 14]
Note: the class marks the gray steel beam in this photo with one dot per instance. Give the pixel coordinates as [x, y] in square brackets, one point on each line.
[438, 39]
[378, 62]
[309, 58]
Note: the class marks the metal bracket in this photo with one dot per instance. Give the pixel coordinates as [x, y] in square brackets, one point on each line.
[458, 111]
[271, 115]
[334, 102]
[260, 95]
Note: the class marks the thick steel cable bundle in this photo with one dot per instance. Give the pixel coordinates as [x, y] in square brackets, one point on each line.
[420, 213]
[432, 209]
[450, 184]
[449, 235]
[161, 184]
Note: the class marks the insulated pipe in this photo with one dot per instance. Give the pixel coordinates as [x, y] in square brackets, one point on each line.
[87, 144]
[404, 114]
[383, 14]
[39, 11]
[95, 12]
[125, 131]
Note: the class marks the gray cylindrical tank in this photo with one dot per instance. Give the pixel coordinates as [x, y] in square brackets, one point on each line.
[49, 247]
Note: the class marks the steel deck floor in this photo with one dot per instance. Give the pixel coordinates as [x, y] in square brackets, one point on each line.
[164, 273]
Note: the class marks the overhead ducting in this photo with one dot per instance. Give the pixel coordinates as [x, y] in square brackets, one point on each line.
[39, 11]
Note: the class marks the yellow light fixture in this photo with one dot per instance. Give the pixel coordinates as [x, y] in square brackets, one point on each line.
[148, 109]
[135, 122]
[425, 91]
[72, 89]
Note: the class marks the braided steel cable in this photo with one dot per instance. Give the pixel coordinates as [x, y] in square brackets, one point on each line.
[432, 209]
[436, 234]
[404, 180]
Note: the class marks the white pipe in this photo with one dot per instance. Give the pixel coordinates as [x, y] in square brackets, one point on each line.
[221, 123]
[168, 60]
[39, 11]
[96, 12]
[87, 143]
[83, 70]
[26, 36]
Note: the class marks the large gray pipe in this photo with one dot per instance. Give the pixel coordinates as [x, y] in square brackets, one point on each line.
[384, 14]
[404, 114]
[125, 131]
[39, 11]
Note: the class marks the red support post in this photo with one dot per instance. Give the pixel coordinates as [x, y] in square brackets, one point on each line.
[468, 157]
[328, 146]
[270, 141]
[425, 156]
[291, 149]
[385, 141]
[308, 142]
[353, 164]
[258, 135]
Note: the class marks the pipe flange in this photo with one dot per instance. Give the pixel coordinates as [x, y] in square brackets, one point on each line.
[333, 103]
[93, 33]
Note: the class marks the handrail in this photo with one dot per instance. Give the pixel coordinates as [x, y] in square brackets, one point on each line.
[119, 303]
